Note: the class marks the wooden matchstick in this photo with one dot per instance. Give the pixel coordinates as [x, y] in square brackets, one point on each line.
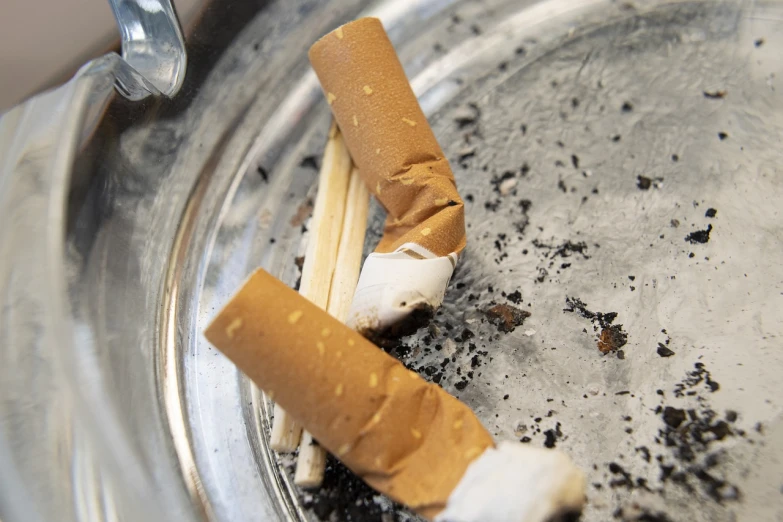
[320, 258]
[312, 457]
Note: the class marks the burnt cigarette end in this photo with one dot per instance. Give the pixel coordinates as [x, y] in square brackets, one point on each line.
[568, 516]
[388, 337]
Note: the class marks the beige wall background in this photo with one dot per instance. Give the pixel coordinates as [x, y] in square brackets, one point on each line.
[43, 41]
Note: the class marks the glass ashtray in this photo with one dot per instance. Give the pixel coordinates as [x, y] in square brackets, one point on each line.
[619, 297]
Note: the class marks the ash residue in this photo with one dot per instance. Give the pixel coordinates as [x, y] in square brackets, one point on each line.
[506, 317]
[563, 250]
[611, 337]
[346, 497]
[689, 453]
[621, 477]
[524, 220]
[515, 297]
[641, 514]
[419, 317]
[558, 257]
[299, 263]
[310, 162]
[715, 95]
[673, 417]
[574, 304]
[700, 236]
[645, 183]
[664, 351]
[263, 173]
[689, 436]
[551, 436]
[696, 377]
[466, 115]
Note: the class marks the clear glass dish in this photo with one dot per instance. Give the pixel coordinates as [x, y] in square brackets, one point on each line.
[616, 157]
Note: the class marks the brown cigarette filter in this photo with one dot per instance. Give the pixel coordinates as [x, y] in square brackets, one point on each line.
[405, 437]
[389, 138]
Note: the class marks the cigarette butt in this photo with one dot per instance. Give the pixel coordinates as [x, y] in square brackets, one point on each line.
[402, 163]
[394, 430]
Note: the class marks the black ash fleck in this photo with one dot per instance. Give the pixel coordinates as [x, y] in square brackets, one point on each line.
[715, 95]
[611, 337]
[346, 496]
[700, 236]
[263, 173]
[645, 183]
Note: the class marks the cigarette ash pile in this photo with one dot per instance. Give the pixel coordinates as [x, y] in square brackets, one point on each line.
[345, 497]
[689, 451]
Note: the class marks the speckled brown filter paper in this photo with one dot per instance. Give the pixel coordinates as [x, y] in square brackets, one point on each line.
[405, 437]
[389, 138]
